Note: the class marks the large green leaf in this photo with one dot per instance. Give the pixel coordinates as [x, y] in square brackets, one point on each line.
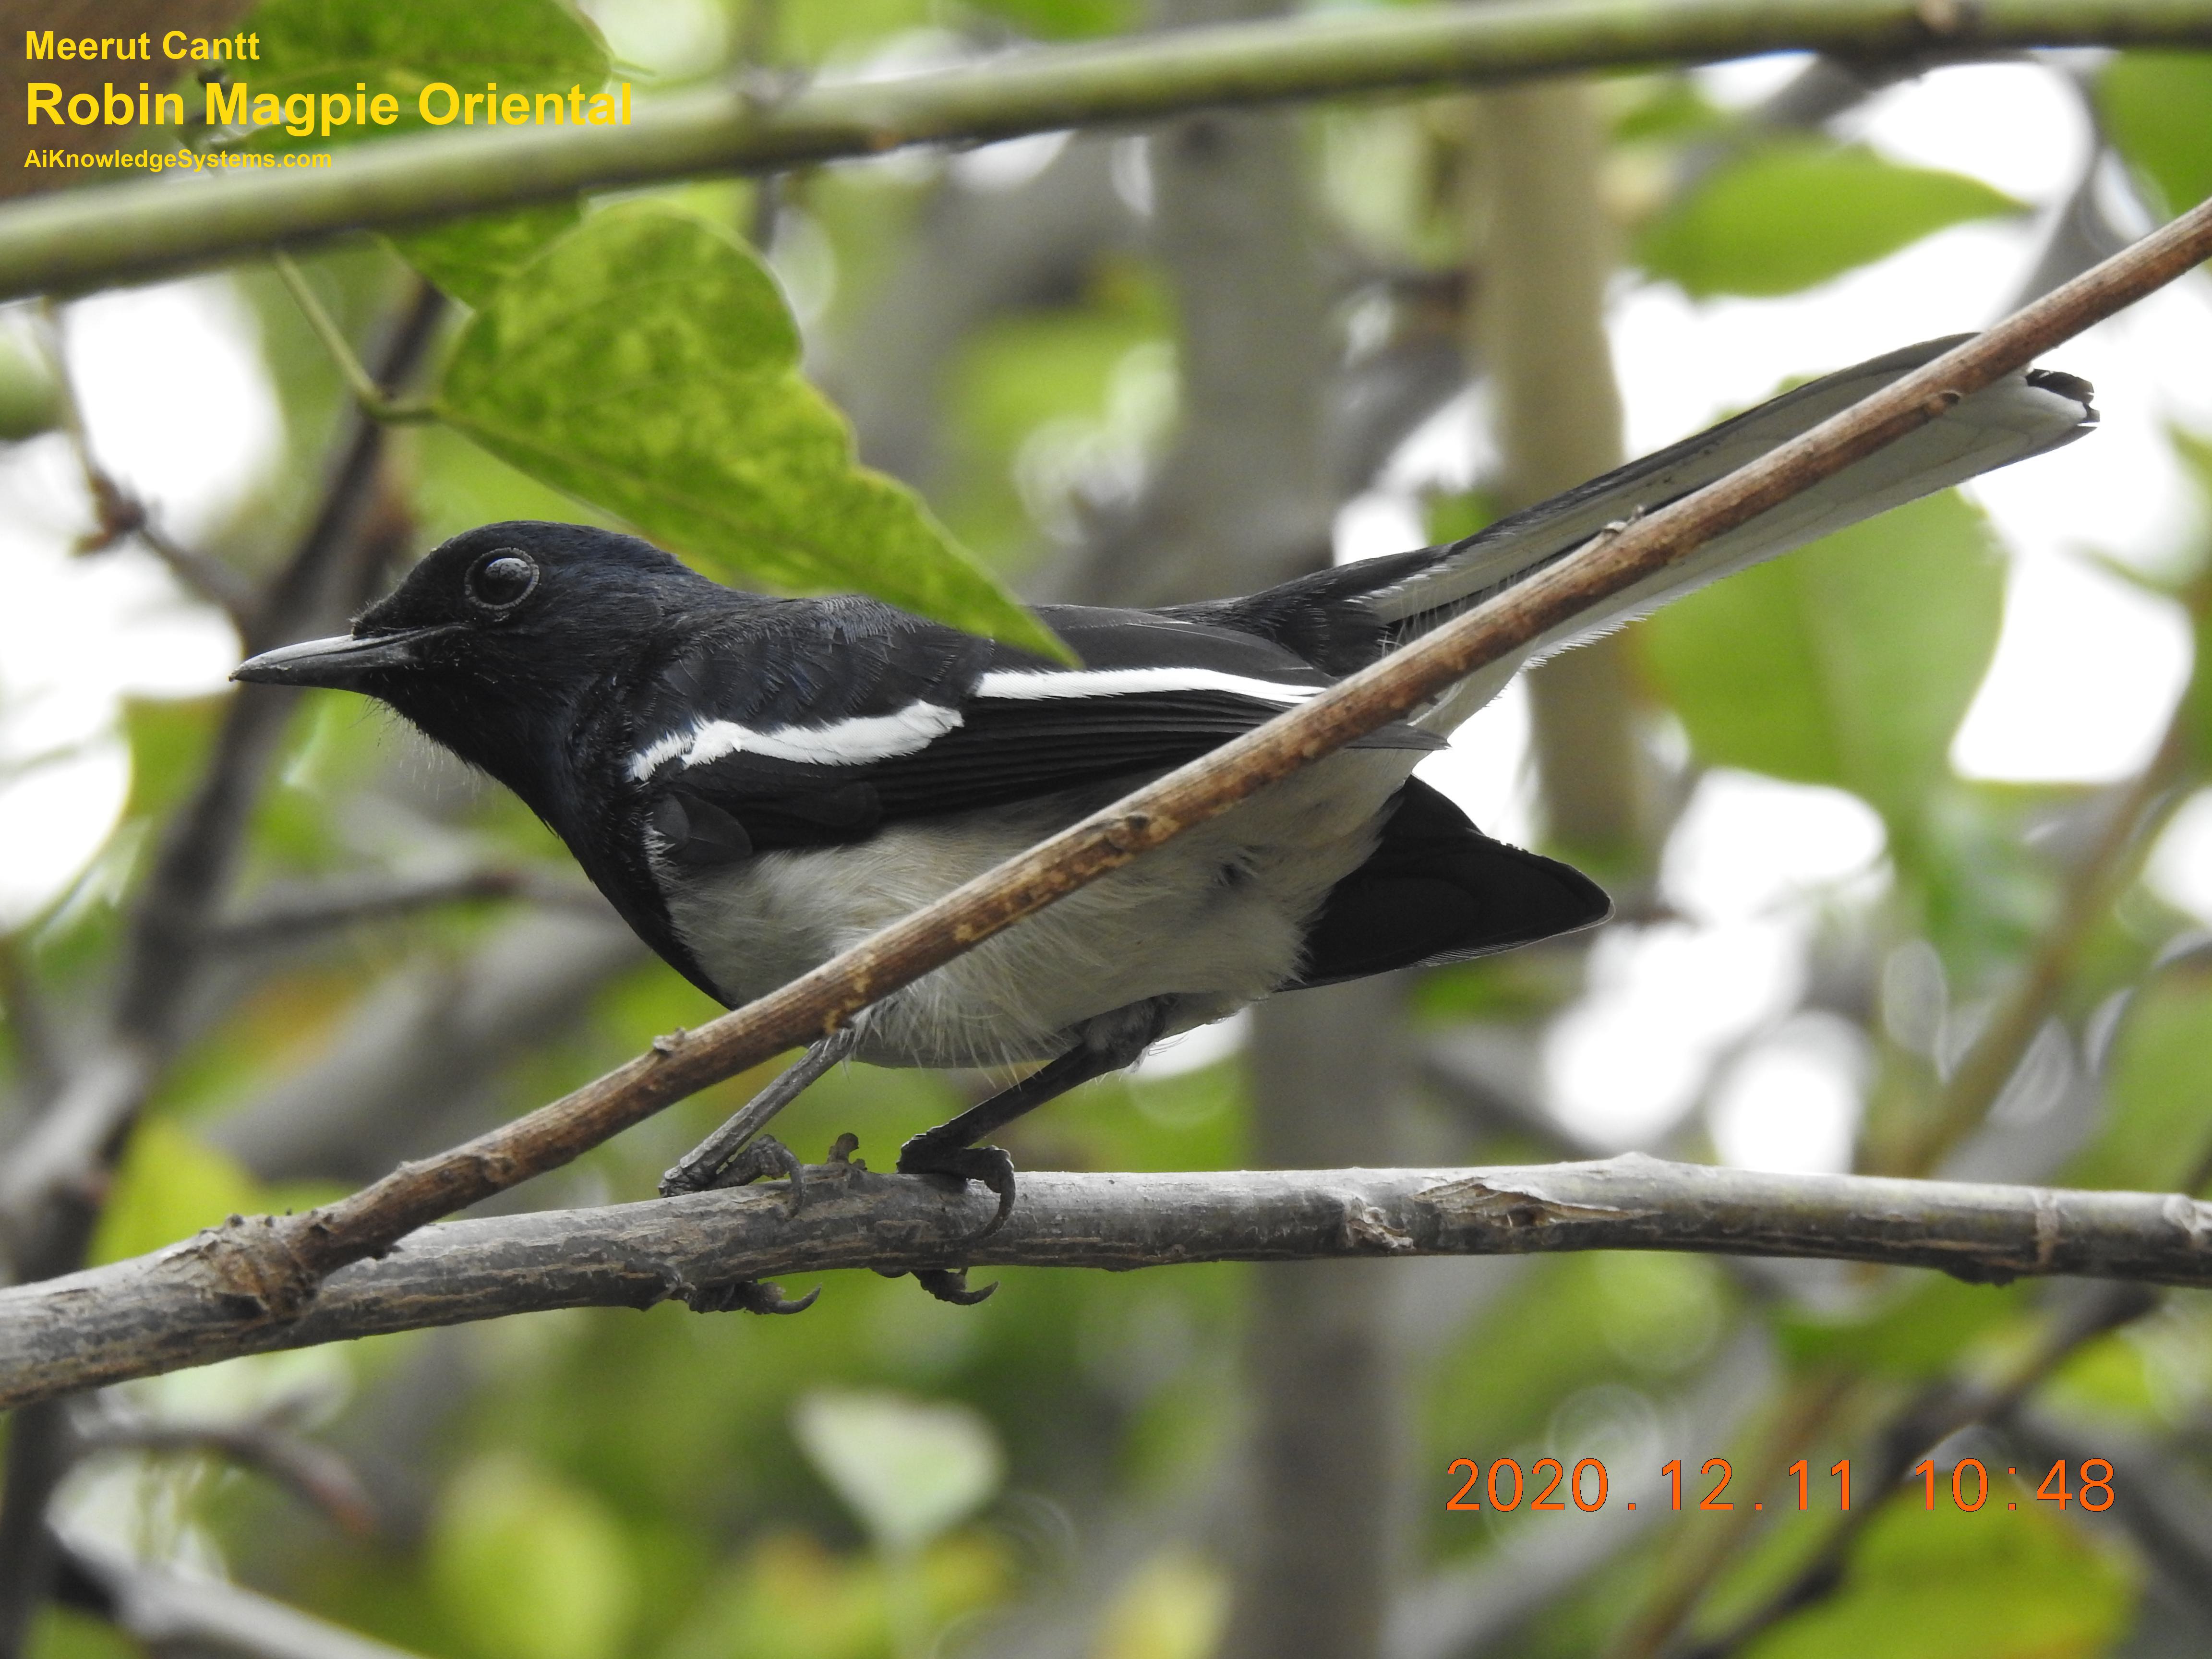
[1786, 215]
[400, 47]
[646, 363]
[1849, 663]
[2157, 107]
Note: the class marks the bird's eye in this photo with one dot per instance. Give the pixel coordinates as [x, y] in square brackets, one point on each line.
[503, 580]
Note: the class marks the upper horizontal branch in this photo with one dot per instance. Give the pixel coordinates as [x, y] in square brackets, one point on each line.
[160, 1313]
[129, 232]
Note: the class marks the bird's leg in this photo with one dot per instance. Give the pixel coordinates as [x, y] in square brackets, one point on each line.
[724, 1159]
[1107, 1043]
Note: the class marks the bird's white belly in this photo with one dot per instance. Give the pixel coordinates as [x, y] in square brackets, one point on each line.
[1215, 919]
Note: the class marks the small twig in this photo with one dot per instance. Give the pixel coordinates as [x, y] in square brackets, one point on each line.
[366, 393]
[2091, 888]
[189, 1305]
[283, 915]
[118, 513]
[314, 1473]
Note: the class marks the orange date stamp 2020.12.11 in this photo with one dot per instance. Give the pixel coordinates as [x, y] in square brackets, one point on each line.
[1549, 1486]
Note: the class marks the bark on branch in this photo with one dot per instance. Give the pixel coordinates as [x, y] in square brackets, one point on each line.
[83, 239]
[175, 1309]
[272, 1268]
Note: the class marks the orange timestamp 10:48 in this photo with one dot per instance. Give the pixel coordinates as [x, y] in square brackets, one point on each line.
[1587, 1487]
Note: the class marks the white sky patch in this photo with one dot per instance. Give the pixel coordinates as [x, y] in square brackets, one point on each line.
[1194, 1050]
[1748, 845]
[52, 819]
[2017, 126]
[1742, 82]
[2180, 867]
[1625, 1063]
[1011, 163]
[1378, 523]
[1487, 772]
[2087, 672]
[178, 408]
[1792, 1102]
[175, 401]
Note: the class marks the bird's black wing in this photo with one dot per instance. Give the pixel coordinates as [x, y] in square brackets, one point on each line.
[764, 743]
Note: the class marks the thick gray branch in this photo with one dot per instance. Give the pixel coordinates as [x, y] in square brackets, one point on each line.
[197, 1302]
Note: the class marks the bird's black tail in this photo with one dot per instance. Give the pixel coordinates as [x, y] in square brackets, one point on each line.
[1344, 619]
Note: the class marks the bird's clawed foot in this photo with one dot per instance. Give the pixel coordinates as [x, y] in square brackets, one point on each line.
[945, 1284]
[761, 1158]
[989, 1165]
[748, 1295]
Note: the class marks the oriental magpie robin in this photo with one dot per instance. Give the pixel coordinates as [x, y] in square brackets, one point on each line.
[757, 783]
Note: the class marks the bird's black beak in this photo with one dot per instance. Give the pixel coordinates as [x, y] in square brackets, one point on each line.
[341, 663]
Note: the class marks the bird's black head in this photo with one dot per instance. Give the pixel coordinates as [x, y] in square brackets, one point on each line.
[493, 640]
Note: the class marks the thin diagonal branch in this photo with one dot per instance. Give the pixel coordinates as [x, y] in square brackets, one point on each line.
[133, 231]
[161, 1312]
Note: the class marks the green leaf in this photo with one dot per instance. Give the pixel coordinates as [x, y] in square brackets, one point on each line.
[2156, 106]
[2155, 1128]
[646, 363]
[170, 740]
[1996, 1583]
[471, 258]
[401, 46]
[1917, 1333]
[1787, 214]
[1064, 19]
[169, 1186]
[1849, 663]
[30, 402]
[527, 1567]
[907, 1470]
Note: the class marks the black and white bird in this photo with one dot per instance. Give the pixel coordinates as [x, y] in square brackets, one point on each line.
[758, 783]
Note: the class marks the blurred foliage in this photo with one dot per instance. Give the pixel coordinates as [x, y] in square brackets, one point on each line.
[30, 402]
[1787, 215]
[2153, 104]
[886, 1473]
[1849, 664]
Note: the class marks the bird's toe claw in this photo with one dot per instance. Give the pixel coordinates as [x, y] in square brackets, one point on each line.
[749, 1295]
[951, 1285]
[988, 1164]
[761, 1158]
